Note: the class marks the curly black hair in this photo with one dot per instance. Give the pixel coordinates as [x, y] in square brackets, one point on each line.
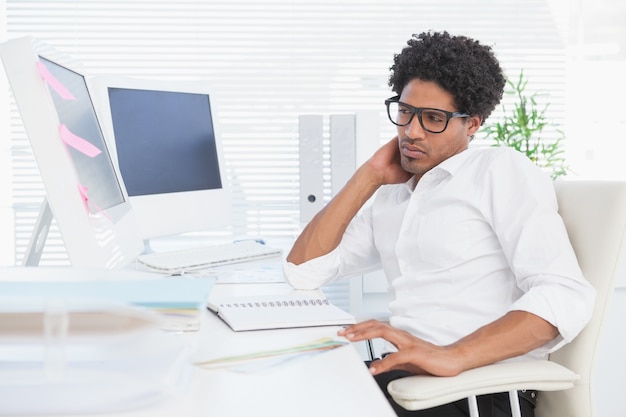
[460, 65]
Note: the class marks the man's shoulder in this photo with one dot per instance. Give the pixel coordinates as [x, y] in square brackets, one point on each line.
[505, 166]
[493, 152]
[503, 156]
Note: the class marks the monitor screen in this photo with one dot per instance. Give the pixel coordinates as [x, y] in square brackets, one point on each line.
[169, 152]
[165, 141]
[94, 168]
[83, 190]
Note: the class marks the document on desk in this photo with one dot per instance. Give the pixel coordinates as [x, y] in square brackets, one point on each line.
[294, 309]
[265, 359]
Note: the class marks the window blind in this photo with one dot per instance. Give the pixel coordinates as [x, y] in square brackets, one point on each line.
[269, 62]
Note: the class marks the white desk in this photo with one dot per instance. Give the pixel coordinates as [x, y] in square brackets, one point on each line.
[331, 383]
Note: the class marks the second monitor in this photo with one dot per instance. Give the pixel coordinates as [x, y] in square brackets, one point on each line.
[169, 152]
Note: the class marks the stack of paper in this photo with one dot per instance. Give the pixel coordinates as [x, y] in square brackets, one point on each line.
[179, 299]
[92, 346]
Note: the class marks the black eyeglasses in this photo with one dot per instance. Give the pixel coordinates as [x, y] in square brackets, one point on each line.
[431, 120]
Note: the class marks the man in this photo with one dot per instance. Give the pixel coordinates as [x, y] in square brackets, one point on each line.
[479, 264]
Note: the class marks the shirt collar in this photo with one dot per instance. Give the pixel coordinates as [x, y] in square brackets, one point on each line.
[449, 167]
[455, 162]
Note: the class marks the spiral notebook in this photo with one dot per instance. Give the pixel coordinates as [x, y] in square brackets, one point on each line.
[279, 312]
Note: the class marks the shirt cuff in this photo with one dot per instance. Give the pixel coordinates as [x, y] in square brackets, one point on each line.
[314, 273]
[569, 312]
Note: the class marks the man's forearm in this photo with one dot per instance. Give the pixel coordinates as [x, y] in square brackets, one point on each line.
[326, 229]
[516, 333]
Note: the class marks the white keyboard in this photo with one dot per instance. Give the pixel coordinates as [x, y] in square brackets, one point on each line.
[207, 256]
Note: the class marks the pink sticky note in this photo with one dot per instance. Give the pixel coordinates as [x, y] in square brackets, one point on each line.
[85, 197]
[78, 143]
[55, 84]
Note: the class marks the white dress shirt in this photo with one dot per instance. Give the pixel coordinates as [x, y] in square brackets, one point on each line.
[478, 236]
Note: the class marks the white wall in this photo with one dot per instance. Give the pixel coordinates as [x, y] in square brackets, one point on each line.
[596, 121]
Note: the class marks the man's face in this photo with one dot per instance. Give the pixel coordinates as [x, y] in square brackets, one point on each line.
[421, 150]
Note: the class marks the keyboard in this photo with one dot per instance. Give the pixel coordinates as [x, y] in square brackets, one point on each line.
[203, 257]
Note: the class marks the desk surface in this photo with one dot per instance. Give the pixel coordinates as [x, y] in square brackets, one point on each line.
[330, 383]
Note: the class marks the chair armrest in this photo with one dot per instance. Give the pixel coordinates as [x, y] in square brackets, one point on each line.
[425, 391]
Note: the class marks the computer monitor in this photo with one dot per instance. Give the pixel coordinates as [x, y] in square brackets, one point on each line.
[86, 196]
[169, 152]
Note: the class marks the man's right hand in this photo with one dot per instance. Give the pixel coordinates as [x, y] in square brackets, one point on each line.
[386, 163]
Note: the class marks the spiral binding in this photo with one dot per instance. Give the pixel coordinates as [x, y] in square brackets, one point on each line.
[279, 303]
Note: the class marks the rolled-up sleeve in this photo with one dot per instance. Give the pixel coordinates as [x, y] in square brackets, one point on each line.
[314, 273]
[565, 303]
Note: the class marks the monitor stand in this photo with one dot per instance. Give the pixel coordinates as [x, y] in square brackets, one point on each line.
[39, 236]
[146, 247]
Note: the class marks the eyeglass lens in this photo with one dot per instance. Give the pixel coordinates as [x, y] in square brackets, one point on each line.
[432, 120]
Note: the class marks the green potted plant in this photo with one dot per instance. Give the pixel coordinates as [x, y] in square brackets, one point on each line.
[522, 129]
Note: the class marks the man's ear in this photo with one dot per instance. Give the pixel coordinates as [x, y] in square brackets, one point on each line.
[473, 124]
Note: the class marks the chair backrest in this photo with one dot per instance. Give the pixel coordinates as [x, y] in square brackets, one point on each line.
[594, 213]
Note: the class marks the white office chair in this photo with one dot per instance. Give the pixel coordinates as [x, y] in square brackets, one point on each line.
[594, 213]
